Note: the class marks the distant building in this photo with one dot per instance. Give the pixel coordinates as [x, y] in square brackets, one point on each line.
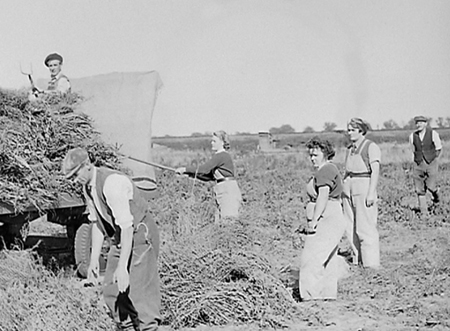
[266, 141]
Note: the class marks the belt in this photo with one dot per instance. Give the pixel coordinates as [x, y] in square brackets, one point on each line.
[357, 175]
[314, 200]
[220, 180]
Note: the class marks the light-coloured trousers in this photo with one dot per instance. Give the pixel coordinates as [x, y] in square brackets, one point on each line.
[361, 220]
[318, 262]
[228, 198]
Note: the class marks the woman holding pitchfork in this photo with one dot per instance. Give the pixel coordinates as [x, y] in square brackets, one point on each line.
[219, 168]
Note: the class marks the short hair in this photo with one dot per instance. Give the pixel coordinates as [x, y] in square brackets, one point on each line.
[222, 135]
[324, 145]
[360, 124]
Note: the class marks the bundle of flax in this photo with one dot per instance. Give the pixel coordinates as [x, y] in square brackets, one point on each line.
[34, 138]
[215, 277]
[15, 266]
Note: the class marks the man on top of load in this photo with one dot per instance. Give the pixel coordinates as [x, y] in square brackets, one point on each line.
[58, 82]
[426, 147]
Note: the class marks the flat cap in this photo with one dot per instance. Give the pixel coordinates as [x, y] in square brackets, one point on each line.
[420, 118]
[74, 160]
[53, 56]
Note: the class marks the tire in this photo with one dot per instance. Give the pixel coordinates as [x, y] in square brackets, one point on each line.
[83, 249]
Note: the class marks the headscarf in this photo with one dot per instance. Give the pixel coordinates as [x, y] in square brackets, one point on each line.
[360, 124]
[222, 135]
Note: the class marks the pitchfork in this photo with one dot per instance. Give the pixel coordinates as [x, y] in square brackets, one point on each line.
[29, 74]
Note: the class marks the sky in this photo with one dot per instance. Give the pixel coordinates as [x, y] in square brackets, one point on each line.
[246, 65]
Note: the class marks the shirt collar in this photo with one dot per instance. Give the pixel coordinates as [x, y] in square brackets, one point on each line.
[93, 178]
[356, 144]
[57, 76]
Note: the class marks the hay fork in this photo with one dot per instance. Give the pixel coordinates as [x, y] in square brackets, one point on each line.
[29, 74]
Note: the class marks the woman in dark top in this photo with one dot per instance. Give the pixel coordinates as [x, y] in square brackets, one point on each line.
[326, 225]
[219, 168]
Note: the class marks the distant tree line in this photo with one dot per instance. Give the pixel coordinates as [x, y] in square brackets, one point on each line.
[441, 122]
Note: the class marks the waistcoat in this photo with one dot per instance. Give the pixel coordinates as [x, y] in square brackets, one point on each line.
[424, 149]
[53, 83]
[138, 205]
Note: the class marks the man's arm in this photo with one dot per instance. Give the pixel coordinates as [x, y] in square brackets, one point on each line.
[63, 85]
[96, 249]
[411, 145]
[118, 191]
[437, 142]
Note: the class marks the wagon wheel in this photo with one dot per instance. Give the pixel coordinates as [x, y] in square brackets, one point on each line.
[83, 250]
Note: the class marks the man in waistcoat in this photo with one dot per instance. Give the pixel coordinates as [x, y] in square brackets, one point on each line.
[426, 147]
[59, 83]
[131, 286]
[362, 169]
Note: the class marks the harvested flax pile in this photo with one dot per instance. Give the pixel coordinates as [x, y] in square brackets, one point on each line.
[35, 299]
[34, 139]
[215, 277]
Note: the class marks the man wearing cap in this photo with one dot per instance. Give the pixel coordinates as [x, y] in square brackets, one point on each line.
[131, 284]
[58, 82]
[426, 147]
[362, 168]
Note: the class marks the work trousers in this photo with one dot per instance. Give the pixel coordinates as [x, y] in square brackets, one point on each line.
[425, 176]
[318, 262]
[361, 220]
[228, 198]
[144, 288]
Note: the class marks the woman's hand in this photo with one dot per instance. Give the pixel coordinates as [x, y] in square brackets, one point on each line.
[311, 226]
[180, 170]
[371, 199]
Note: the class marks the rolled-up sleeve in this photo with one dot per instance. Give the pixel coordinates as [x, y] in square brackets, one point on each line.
[436, 140]
[63, 85]
[92, 216]
[374, 153]
[118, 191]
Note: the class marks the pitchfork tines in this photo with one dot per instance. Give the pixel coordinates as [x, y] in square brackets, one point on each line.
[29, 74]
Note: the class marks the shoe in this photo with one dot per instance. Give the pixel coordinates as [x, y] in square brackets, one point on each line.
[435, 197]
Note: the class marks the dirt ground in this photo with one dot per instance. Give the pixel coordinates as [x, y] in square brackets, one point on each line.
[411, 291]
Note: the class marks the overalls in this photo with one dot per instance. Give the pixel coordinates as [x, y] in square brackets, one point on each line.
[361, 220]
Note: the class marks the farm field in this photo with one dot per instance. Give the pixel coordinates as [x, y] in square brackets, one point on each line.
[237, 276]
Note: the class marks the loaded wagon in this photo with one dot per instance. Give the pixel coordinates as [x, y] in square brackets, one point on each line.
[121, 106]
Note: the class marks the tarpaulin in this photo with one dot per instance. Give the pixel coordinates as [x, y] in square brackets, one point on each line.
[122, 105]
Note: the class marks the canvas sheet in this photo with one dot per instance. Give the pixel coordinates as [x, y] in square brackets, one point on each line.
[122, 106]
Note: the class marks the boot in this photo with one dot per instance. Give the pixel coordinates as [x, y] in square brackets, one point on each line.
[435, 197]
[423, 205]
